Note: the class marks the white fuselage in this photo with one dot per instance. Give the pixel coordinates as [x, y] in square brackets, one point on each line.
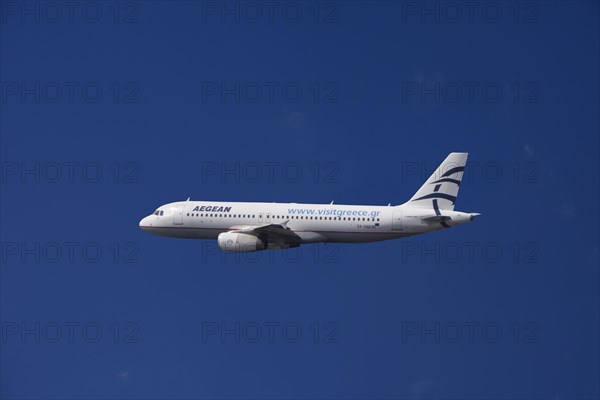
[260, 226]
[313, 223]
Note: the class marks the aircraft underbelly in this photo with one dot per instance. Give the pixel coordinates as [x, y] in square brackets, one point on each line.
[359, 237]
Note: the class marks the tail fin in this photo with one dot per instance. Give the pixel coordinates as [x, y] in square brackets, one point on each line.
[440, 190]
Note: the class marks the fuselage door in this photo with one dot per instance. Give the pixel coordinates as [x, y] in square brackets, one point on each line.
[397, 221]
[178, 216]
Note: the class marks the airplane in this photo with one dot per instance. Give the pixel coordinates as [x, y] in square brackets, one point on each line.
[247, 227]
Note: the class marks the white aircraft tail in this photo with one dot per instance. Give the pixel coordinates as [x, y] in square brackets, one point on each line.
[440, 190]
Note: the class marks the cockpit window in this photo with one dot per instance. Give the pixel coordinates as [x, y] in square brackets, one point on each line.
[156, 212]
[162, 212]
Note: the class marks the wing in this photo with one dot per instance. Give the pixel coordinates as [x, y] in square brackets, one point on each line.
[272, 233]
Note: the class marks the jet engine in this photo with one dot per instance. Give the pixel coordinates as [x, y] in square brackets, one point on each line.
[240, 242]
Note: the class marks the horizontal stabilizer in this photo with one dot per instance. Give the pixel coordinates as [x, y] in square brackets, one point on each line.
[436, 218]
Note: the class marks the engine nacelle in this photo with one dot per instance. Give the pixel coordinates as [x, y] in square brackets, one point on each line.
[239, 242]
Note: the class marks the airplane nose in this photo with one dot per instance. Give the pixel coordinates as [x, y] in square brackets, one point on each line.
[144, 223]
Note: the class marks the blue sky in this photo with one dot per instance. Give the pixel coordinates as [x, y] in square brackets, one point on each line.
[108, 112]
